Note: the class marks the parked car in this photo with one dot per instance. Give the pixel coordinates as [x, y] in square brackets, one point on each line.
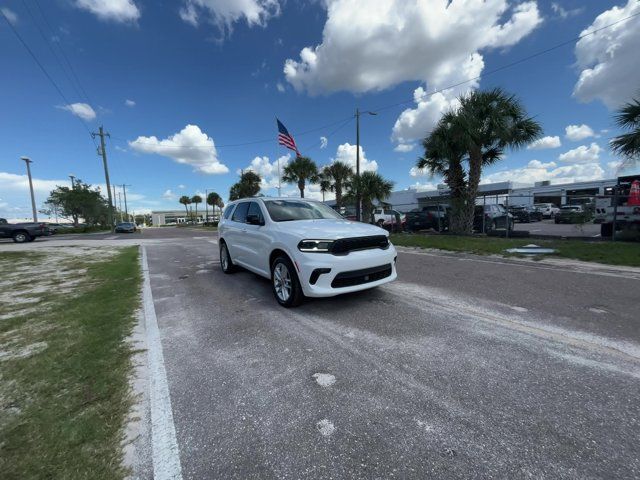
[56, 227]
[125, 227]
[495, 217]
[389, 218]
[430, 216]
[572, 214]
[520, 214]
[268, 236]
[23, 232]
[549, 210]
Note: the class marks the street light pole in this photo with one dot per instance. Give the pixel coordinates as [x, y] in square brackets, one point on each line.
[73, 184]
[126, 210]
[27, 160]
[358, 193]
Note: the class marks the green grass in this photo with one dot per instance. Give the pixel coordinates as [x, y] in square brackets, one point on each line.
[612, 253]
[63, 408]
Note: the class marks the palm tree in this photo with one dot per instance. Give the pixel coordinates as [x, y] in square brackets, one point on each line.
[339, 173]
[248, 186]
[213, 199]
[628, 118]
[372, 187]
[185, 201]
[301, 171]
[324, 182]
[196, 199]
[485, 124]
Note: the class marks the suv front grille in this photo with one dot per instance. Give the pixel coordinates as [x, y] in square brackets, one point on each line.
[345, 245]
[359, 277]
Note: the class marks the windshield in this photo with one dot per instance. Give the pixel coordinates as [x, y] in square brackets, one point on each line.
[288, 210]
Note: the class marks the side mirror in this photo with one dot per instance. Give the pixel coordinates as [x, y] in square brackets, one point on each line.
[253, 219]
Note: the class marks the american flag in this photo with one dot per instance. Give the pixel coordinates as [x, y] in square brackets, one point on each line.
[284, 138]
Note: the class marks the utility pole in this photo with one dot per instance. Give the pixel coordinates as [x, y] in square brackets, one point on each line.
[120, 205]
[27, 160]
[124, 190]
[73, 184]
[358, 195]
[103, 151]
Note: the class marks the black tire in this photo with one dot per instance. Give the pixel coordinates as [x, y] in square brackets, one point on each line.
[225, 259]
[606, 229]
[380, 223]
[31, 239]
[21, 236]
[295, 296]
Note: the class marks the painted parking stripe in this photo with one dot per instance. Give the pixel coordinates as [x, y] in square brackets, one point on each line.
[164, 446]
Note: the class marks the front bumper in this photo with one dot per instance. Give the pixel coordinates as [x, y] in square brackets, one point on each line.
[361, 260]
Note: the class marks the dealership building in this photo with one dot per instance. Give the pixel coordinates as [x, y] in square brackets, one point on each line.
[175, 217]
[512, 193]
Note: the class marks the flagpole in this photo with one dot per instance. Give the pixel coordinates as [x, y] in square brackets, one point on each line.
[278, 160]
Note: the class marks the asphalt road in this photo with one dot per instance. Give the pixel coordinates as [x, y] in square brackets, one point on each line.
[465, 367]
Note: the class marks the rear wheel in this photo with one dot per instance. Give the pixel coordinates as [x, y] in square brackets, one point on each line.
[225, 259]
[21, 237]
[285, 284]
[606, 229]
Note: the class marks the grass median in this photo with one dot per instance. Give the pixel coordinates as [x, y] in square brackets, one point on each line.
[65, 316]
[612, 253]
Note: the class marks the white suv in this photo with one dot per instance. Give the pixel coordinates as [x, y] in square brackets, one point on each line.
[304, 247]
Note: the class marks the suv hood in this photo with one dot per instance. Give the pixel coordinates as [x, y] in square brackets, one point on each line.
[327, 229]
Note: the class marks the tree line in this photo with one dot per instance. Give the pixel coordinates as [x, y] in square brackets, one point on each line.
[213, 199]
[337, 177]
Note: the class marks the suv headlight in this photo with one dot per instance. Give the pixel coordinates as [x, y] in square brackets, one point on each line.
[319, 246]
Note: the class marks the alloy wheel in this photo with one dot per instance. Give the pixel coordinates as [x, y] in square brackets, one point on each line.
[282, 282]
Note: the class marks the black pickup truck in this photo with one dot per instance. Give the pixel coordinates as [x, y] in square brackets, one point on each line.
[23, 232]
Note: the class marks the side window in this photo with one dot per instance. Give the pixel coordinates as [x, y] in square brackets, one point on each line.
[240, 214]
[227, 212]
[254, 209]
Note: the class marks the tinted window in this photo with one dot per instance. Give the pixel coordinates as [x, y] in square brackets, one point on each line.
[288, 210]
[240, 214]
[254, 209]
[227, 212]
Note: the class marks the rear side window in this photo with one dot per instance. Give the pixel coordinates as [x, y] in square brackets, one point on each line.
[240, 214]
[227, 212]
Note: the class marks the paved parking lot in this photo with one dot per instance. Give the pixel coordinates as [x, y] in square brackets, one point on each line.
[466, 367]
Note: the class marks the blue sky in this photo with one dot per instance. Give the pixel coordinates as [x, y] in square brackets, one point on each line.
[179, 84]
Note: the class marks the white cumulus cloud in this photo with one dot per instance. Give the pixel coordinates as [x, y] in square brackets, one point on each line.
[10, 14]
[169, 195]
[224, 13]
[545, 143]
[129, 103]
[268, 170]
[324, 141]
[190, 146]
[82, 110]
[404, 147]
[375, 44]
[582, 154]
[608, 60]
[537, 171]
[346, 153]
[575, 133]
[116, 10]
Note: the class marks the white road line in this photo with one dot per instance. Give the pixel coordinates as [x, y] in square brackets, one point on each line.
[165, 453]
[215, 242]
[112, 237]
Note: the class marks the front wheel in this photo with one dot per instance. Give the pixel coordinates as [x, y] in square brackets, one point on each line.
[21, 237]
[285, 283]
[225, 259]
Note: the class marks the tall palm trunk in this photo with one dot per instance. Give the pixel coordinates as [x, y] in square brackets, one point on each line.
[186, 209]
[338, 188]
[196, 213]
[475, 170]
[301, 187]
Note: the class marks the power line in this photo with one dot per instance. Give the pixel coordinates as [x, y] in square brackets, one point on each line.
[44, 70]
[434, 92]
[64, 55]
